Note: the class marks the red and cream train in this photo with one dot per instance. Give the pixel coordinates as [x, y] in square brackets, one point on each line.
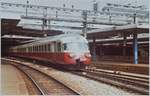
[70, 50]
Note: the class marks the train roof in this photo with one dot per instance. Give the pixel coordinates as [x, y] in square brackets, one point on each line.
[64, 38]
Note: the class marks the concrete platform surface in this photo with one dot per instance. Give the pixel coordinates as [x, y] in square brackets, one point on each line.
[125, 67]
[12, 82]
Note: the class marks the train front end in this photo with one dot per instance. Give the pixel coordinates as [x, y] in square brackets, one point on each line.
[77, 52]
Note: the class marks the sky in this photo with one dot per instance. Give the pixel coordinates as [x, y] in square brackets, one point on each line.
[81, 4]
[78, 4]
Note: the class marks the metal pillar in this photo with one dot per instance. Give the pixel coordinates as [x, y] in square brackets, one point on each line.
[27, 8]
[124, 45]
[84, 24]
[135, 42]
[100, 51]
[49, 24]
[94, 49]
[44, 21]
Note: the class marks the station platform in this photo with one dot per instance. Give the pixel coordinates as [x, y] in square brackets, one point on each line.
[12, 82]
[120, 66]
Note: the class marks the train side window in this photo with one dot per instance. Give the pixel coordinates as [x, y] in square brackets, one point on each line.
[52, 47]
[39, 48]
[59, 47]
[31, 49]
[55, 47]
[27, 49]
[42, 49]
[65, 46]
[35, 48]
[49, 47]
[45, 47]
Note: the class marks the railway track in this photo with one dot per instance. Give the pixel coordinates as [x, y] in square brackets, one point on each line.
[128, 82]
[136, 84]
[46, 84]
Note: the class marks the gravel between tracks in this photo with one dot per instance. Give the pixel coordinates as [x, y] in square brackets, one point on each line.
[83, 85]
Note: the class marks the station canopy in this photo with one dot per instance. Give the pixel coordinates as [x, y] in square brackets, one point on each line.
[118, 31]
[12, 35]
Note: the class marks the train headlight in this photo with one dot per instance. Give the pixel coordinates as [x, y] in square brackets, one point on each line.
[72, 55]
[88, 55]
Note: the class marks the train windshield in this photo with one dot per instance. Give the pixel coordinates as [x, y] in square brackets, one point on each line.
[76, 47]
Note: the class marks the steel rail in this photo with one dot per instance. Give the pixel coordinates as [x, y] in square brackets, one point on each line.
[117, 82]
[37, 85]
[33, 81]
